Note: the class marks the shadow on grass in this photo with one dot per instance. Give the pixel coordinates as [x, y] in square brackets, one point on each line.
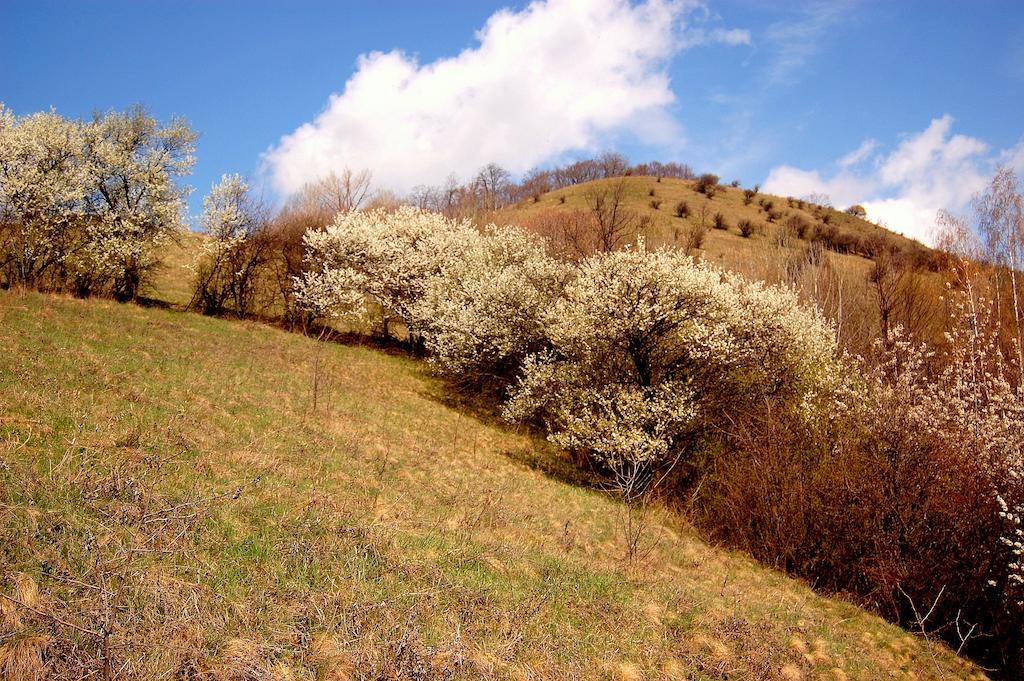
[484, 406]
[157, 303]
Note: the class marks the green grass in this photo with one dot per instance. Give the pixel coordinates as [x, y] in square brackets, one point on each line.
[167, 476]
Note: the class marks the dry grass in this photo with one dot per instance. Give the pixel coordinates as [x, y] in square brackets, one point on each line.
[172, 506]
[726, 247]
[172, 281]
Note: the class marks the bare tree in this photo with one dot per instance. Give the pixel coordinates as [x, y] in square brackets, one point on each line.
[1000, 216]
[336, 193]
[491, 184]
[536, 182]
[616, 224]
[613, 164]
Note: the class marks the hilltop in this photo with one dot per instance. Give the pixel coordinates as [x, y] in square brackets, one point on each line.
[842, 233]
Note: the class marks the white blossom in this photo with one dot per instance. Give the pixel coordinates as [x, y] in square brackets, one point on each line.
[382, 257]
[86, 205]
[484, 311]
[649, 348]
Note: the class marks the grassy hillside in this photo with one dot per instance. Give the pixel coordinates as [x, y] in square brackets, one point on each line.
[727, 247]
[187, 497]
[172, 280]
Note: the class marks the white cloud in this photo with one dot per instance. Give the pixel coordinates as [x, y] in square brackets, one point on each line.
[1014, 157]
[859, 154]
[926, 172]
[695, 37]
[557, 76]
[796, 42]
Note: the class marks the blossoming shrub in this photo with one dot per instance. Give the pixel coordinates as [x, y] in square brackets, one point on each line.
[651, 352]
[379, 263]
[85, 205]
[484, 311]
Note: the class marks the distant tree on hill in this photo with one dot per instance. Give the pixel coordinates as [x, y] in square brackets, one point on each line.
[578, 173]
[336, 192]
[613, 164]
[617, 225]
[492, 184]
[707, 184]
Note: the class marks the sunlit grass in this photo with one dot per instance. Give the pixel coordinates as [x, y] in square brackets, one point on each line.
[308, 541]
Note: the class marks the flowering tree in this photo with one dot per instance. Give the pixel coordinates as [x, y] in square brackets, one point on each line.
[85, 204]
[42, 183]
[382, 258]
[228, 265]
[484, 311]
[133, 163]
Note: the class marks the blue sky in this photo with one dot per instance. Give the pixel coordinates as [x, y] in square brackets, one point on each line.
[930, 92]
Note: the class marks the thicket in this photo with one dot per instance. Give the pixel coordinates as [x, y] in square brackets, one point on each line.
[894, 478]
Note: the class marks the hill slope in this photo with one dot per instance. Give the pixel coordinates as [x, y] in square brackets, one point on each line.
[186, 497]
[725, 246]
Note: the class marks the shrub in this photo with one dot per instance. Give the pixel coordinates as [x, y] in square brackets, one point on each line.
[734, 184]
[694, 238]
[773, 215]
[748, 196]
[719, 222]
[561, 199]
[747, 227]
[682, 209]
[536, 198]
[648, 350]
[483, 313]
[382, 257]
[707, 184]
[857, 211]
[655, 204]
[797, 226]
[651, 192]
